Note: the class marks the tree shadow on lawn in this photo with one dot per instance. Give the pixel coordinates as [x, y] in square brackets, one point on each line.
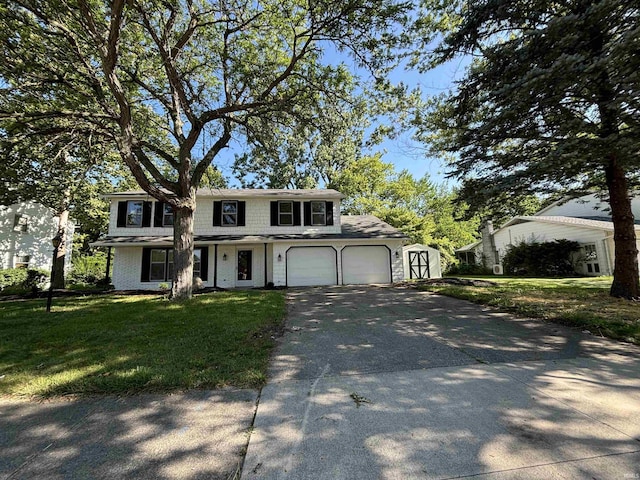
[123, 345]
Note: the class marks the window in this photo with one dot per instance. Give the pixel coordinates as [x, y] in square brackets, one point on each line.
[230, 213]
[161, 264]
[21, 223]
[158, 265]
[591, 258]
[285, 213]
[167, 215]
[134, 214]
[21, 261]
[318, 213]
[197, 263]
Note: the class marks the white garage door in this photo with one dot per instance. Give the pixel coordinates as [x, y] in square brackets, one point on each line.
[366, 264]
[311, 266]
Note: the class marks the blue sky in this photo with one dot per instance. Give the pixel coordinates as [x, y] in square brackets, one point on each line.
[403, 151]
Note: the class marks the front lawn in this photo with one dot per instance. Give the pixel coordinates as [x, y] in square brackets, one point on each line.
[580, 302]
[119, 344]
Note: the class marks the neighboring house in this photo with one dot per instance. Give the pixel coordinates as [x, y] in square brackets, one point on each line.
[250, 238]
[585, 220]
[26, 230]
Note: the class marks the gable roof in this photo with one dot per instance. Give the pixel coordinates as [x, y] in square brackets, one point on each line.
[233, 193]
[560, 220]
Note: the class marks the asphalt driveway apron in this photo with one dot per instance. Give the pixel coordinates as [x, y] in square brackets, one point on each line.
[392, 383]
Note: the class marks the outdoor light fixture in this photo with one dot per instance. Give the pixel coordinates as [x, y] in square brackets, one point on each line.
[224, 257]
[279, 257]
[397, 254]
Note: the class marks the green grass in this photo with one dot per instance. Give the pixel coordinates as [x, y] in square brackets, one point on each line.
[116, 344]
[579, 302]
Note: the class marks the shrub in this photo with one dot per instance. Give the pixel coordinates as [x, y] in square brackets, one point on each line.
[541, 259]
[22, 280]
[88, 269]
[468, 269]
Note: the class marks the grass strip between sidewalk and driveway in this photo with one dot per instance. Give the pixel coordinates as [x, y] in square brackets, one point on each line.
[125, 344]
[579, 302]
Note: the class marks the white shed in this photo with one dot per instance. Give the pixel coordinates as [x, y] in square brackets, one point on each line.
[421, 261]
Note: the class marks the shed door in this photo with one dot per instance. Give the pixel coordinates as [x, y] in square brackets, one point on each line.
[311, 266]
[366, 264]
[419, 264]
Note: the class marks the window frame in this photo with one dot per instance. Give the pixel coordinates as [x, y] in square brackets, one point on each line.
[233, 215]
[281, 213]
[165, 214]
[168, 263]
[141, 214]
[323, 213]
[20, 262]
[21, 223]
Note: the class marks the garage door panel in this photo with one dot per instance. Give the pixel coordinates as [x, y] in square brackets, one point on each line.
[307, 266]
[362, 265]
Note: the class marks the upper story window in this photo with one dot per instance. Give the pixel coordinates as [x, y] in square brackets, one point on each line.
[21, 223]
[134, 213]
[318, 213]
[167, 215]
[285, 213]
[229, 213]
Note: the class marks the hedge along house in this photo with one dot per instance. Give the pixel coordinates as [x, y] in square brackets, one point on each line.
[250, 238]
[584, 220]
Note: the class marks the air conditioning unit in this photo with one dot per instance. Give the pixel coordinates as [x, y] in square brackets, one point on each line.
[497, 269]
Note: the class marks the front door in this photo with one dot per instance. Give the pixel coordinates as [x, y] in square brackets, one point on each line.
[419, 265]
[245, 268]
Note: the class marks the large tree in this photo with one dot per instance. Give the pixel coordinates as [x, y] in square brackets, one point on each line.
[201, 72]
[551, 103]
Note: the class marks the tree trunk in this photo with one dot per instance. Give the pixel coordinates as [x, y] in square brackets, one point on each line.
[182, 287]
[58, 263]
[626, 282]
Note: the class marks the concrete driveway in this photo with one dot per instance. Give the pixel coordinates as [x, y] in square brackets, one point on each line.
[391, 383]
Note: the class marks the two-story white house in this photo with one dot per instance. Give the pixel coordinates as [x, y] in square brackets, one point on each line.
[251, 238]
[26, 230]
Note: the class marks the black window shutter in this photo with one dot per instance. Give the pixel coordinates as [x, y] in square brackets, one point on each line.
[146, 264]
[296, 213]
[242, 210]
[146, 214]
[217, 214]
[158, 214]
[329, 209]
[307, 213]
[204, 263]
[122, 214]
[274, 214]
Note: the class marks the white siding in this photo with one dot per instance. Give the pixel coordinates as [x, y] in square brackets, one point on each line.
[36, 242]
[257, 221]
[546, 232]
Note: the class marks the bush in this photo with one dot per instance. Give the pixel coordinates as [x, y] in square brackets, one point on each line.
[467, 269]
[88, 269]
[541, 259]
[22, 280]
